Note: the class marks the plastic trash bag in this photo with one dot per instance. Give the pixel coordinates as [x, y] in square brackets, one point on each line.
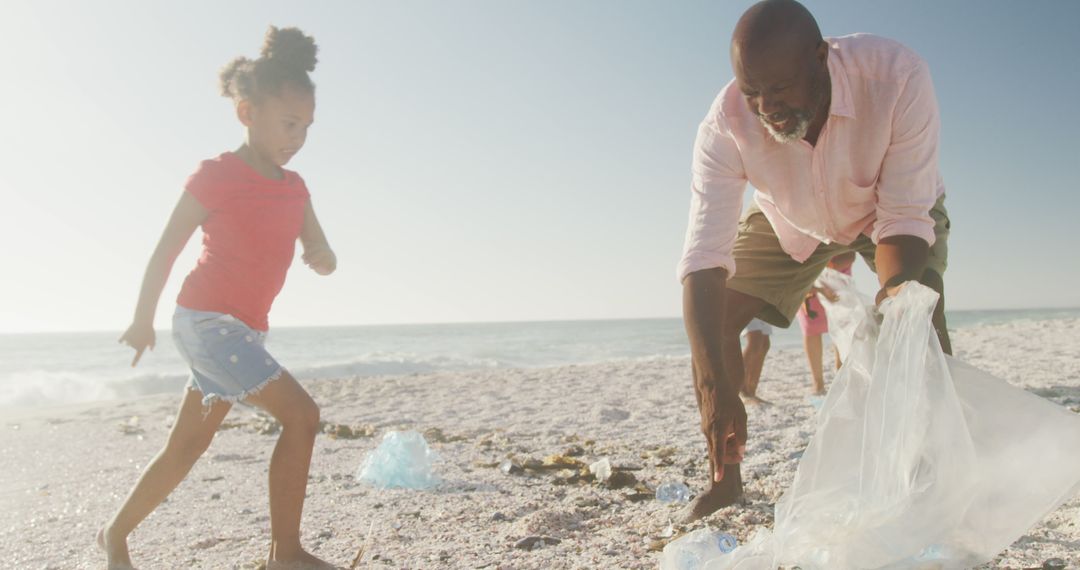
[403, 459]
[918, 460]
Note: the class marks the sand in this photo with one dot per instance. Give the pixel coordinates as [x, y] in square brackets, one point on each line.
[67, 469]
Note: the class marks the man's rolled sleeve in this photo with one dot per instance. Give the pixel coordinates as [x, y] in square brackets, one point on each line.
[909, 180]
[717, 187]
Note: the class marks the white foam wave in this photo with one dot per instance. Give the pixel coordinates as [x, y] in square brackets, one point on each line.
[37, 388]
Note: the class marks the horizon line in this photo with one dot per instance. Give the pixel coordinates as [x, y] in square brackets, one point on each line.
[496, 322]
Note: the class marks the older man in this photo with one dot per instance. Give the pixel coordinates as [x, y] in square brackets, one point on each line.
[839, 137]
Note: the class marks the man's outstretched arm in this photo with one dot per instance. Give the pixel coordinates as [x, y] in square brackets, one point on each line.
[723, 417]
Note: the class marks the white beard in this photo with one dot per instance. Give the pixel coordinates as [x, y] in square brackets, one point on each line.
[801, 126]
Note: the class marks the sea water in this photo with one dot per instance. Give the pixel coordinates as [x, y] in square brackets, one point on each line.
[44, 369]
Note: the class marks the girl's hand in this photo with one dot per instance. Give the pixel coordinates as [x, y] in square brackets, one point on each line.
[139, 336]
[321, 260]
[829, 293]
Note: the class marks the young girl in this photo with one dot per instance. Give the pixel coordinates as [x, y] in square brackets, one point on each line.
[251, 211]
[814, 323]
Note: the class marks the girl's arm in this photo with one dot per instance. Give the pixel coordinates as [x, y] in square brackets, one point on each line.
[187, 216]
[317, 252]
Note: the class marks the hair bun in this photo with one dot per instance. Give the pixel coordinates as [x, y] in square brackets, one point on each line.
[232, 75]
[290, 48]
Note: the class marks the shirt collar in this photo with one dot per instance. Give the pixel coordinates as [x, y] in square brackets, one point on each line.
[841, 90]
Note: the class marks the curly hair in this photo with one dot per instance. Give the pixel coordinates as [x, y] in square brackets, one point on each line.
[287, 57]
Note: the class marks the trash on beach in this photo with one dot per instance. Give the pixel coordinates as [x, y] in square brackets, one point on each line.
[558, 461]
[703, 548]
[601, 469]
[132, 427]
[673, 492]
[510, 467]
[917, 457]
[437, 435]
[345, 431]
[402, 460]
[621, 480]
[535, 541]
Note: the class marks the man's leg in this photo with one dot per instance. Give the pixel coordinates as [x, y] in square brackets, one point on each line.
[757, 346]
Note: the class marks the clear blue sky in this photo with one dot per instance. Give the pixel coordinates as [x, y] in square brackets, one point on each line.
[478, 161]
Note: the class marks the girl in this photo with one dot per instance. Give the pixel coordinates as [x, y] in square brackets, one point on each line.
[814, 323]
[251, 211]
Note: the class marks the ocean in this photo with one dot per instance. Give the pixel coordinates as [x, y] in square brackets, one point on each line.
[47, 369]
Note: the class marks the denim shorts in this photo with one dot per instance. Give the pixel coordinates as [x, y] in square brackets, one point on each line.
[758, 325]
[227, 358]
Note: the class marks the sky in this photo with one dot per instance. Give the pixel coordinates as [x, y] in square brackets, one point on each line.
[490, 160]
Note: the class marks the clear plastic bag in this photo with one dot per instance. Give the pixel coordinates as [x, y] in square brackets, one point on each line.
[403, 460]
[918, 460]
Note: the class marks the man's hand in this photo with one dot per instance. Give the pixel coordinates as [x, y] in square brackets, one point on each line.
[139, 336]
[321, 260]
[725, 432]
[886, 292]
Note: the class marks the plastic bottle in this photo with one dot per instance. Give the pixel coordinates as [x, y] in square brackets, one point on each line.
[673, 492]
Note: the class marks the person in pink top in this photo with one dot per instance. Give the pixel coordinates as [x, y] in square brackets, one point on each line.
[839, 138]
[251, 211]
[814, 322]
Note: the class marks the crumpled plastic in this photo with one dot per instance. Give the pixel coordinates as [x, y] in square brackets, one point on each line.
[918, 459]
[402, 460]
[691, 551]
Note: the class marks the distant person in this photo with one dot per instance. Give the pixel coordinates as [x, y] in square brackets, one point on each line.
[814, 323]
[839, 137]
[757, 335]
[251, 211]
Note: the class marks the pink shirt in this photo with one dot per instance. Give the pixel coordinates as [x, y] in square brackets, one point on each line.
[873, 171]
[249, 238]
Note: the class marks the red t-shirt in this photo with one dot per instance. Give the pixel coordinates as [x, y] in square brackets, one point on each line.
[249, 238]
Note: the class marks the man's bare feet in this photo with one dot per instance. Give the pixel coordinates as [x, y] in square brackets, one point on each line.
[116, 550]
[723, 494]
[301, 560]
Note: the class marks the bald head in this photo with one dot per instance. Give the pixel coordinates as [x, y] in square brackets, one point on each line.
[772, 22]
[779, 59]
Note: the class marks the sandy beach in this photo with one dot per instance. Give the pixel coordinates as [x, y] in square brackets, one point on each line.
[67, 469]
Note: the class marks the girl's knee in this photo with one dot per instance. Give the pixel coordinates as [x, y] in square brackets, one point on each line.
[304, 416]
[313, 415]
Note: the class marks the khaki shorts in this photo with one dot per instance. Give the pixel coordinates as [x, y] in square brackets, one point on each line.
[765, 271]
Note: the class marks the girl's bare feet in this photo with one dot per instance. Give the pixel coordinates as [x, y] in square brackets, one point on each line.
[116, 550]
[301, 560]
